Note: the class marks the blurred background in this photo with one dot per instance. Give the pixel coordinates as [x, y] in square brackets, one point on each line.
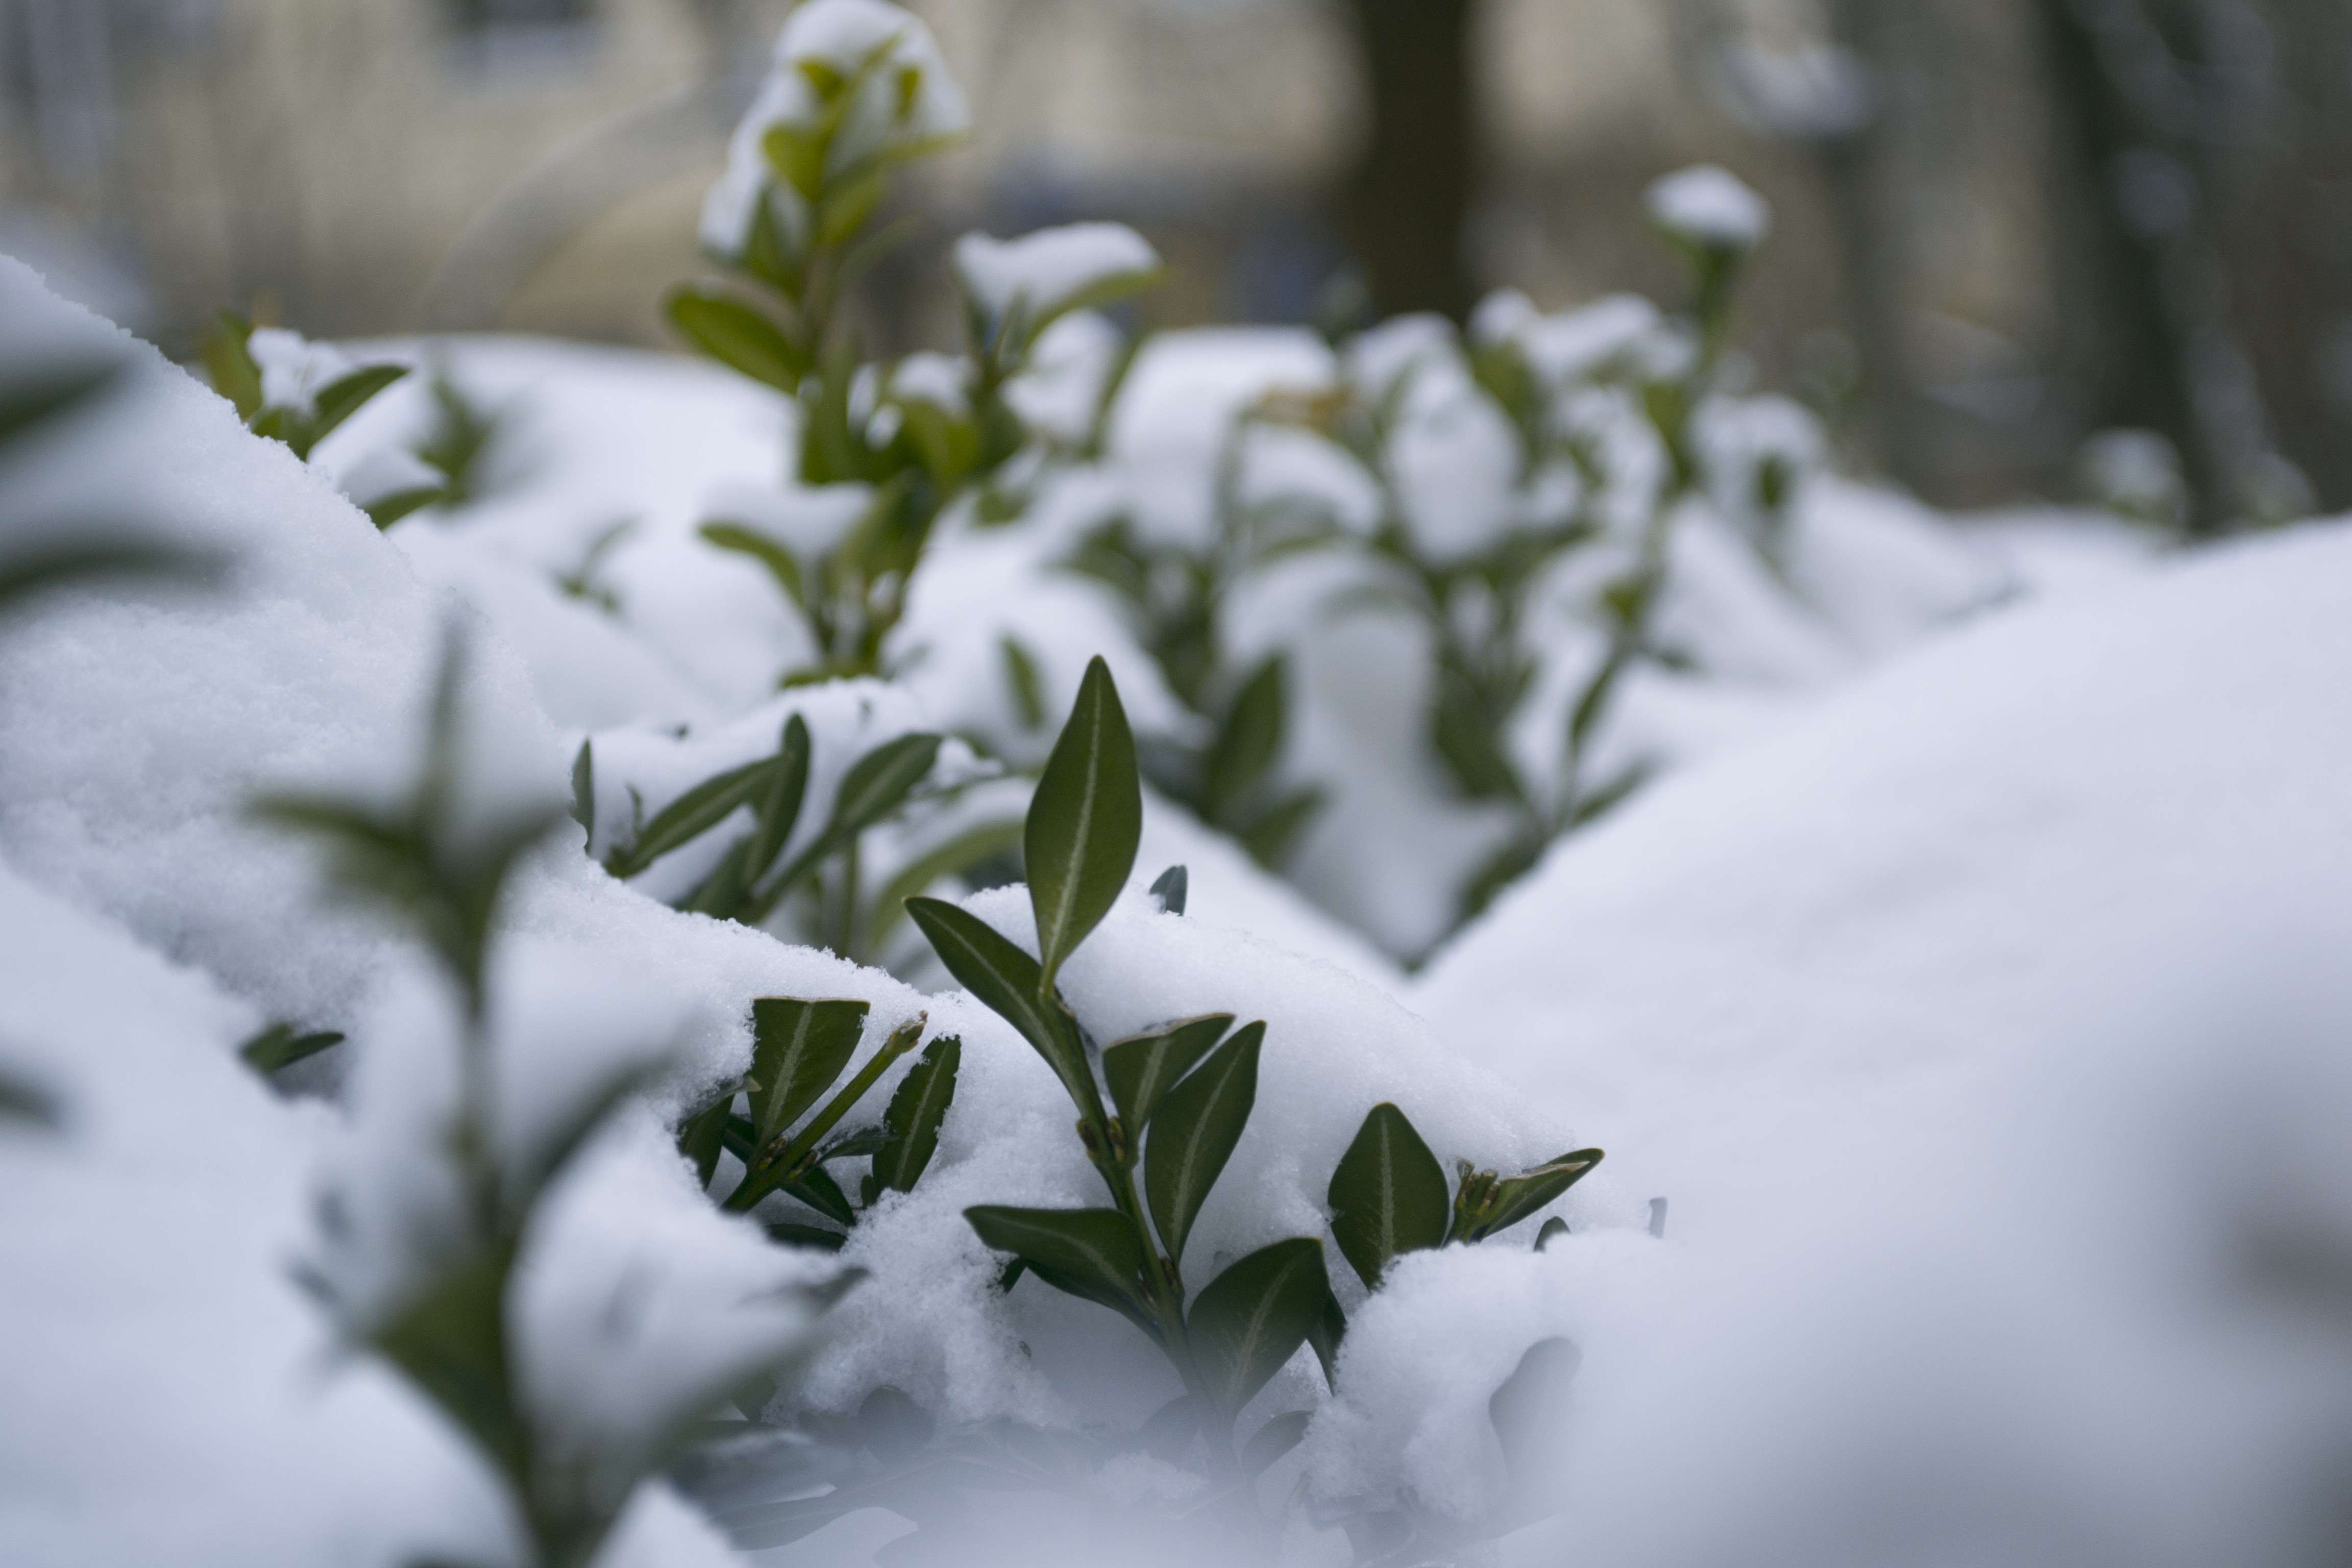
[2002, 225]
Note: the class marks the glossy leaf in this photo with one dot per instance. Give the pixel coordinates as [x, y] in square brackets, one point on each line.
[1551, 1231]
[1388, 1194]
[793, 1234]
[817, 1188]
[692, 815]
[1090, 1253]
[229, 362]
[1006, 981]
[1253, 1316]
[912, 1121]
[1085, 821]
[701, 1136]
[1172, 887]
[1142, 1068]
[1517, 1197]
[738, 337]
[799, 1048]
[451, 1342]
[584, 790]
[1194, 1132]
[1330, 1328]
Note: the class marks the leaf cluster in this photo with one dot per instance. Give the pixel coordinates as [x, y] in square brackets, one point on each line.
[236, 376]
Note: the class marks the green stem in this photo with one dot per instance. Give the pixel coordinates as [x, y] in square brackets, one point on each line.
[787, 1162]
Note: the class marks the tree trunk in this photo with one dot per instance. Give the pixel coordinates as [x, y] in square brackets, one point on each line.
[1409, 200]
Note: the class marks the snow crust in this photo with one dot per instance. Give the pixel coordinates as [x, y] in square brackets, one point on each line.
[1045, 273]
[1709, 205]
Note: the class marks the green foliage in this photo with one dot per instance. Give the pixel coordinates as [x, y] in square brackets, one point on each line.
[281, 1044]
[1387, 1196]
[439, 860]
[237, 377]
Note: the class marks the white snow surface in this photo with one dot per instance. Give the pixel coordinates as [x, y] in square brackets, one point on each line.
[1046, 271]
[1709, 205]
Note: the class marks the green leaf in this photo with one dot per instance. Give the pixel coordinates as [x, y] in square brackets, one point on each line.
[1388, 1194]
[28, 400]
[692, 815]
[1090, 1253]
[702, 1135]
[817, 1188]
[879, 782]
[1171, 888]
[954, 858]
[1085, 821]
[1022, 679]
[1250, 737]
[1551, 1231]
[1251, 1318]
[347, 395]
[1517, 1197]
[793, 1234]
[1268, 836]
[744, 540]
[451, 1342]
[231, 364]
[916, 1112]
[1194, 1132]
[1472, 753]
[282, 1044]
[387, 509]
[843, 210]
[1272, 1440]
[799, 1048]
[1141, 1067]
[797, 157]
[1330, 1328]
[738, 337]
[778, 809]
[583, 789]
[1006, 981]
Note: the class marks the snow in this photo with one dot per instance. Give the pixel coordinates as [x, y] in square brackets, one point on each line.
[1045, 273]
[1708, 206]
[294, 370]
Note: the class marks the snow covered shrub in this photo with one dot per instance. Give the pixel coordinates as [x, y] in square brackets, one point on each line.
[1159, 1115]
[857, 91]
[483, 1235]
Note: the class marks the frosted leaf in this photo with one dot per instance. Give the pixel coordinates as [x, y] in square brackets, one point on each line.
[1708, 206]
[909, 101]
[1454, 458]
[1044, 273]
[294, 370]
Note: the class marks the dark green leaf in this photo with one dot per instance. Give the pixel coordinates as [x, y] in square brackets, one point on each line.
[1171, 888]
[855, 1145]
[1388, 1194]
[1250, 737]
[451, 1342]
[1272, 1440]
[799, 1048]
[1550, 1231]
[793, 1233]
[1268, 835]
[916, 1112]
[1141, 1067]
[1007, 982]
[743, 540]
[1471, 753]
[878, 783]
[738, 337]
[1194, 1132]
[702, 1135]
[1085, 821]
[26, 400]
[1022, 679]
[778, 808]
[817, 1188]
[1330, 1328]
[283, 1044]
[1090, 1253]
[347, 395]
[583, 789]
[1518, 1196]
[693, 813]
[387, 509]
[1251, 1318]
